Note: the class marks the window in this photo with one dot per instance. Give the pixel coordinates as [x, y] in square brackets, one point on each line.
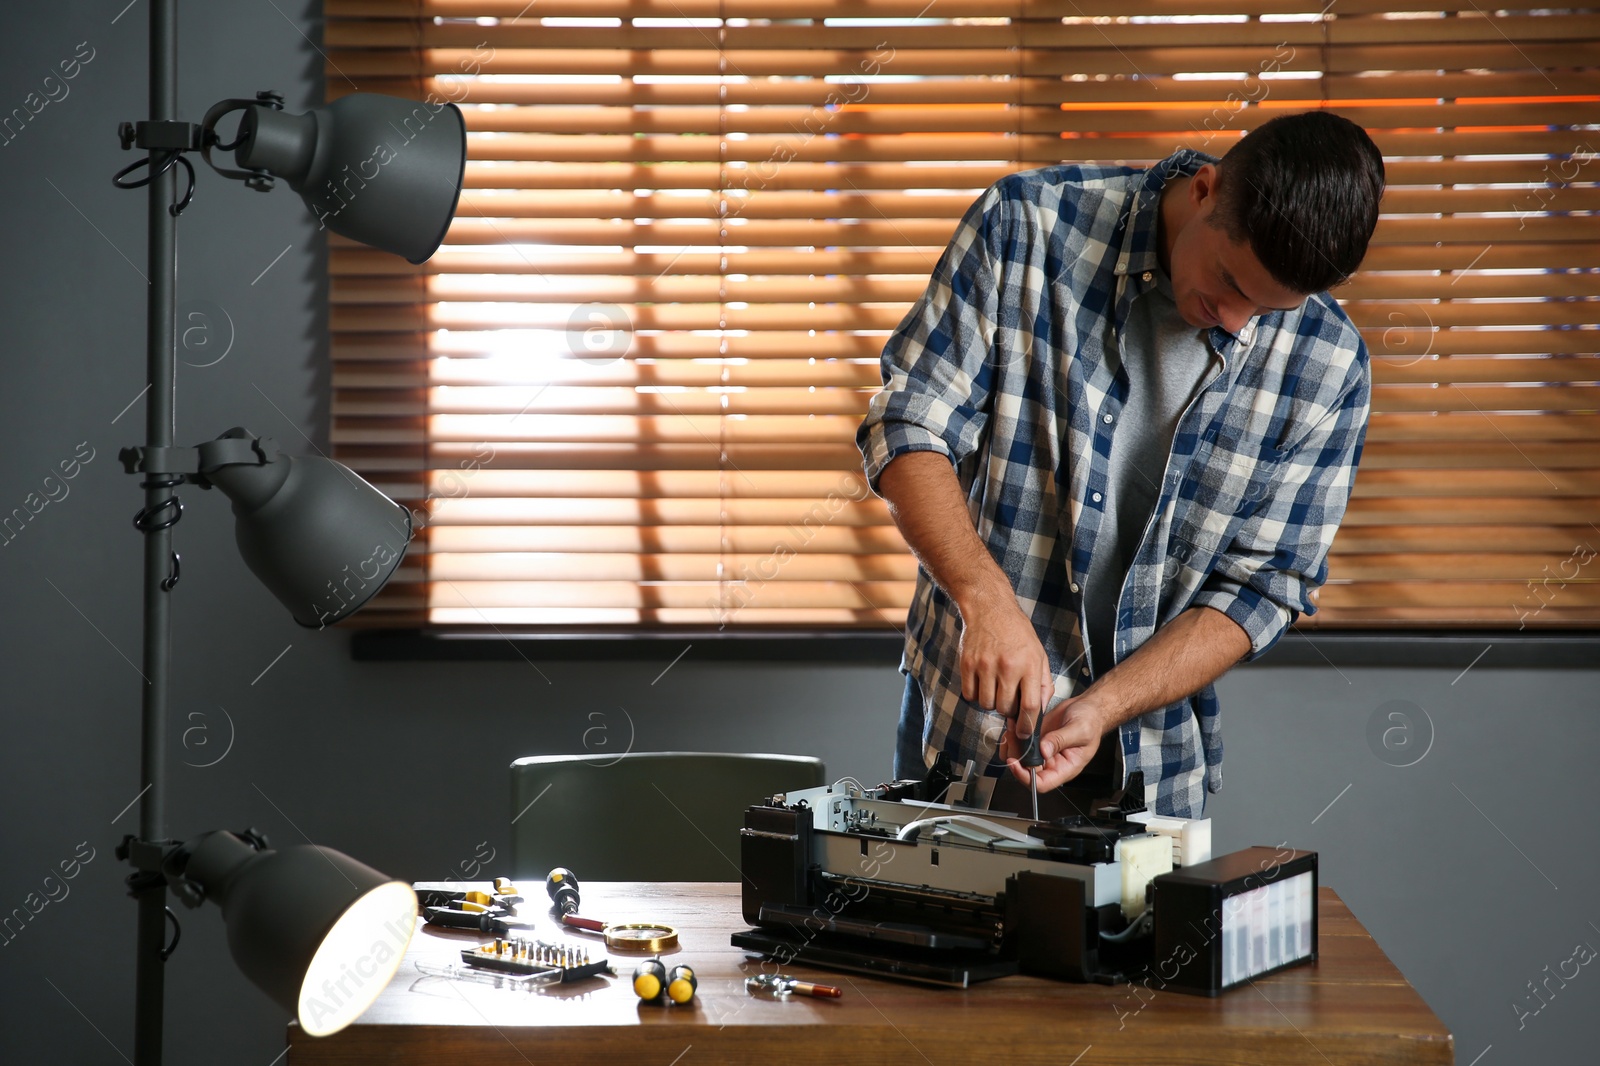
[624, 393]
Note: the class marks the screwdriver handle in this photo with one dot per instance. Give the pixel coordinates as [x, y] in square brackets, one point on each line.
[450, 918]
[1032, 757]
[809, 988]
[562, 887]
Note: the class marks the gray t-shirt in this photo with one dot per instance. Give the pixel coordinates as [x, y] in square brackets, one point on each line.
[1165, 359]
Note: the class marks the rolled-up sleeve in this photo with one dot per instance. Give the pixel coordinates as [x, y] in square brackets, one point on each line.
[1267, 576]
[937, 370]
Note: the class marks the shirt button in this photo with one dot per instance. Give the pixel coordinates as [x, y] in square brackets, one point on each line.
[1084, 671]
[1096, 497]
[1107, 419]
[1074, 586]
[1147, 275]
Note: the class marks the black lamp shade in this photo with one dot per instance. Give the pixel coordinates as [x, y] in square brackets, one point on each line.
[312, 530]
[317, 931]
[377, 169]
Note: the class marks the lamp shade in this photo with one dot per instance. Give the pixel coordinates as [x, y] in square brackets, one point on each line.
[317, 931]
[377, 169]
[318, 535]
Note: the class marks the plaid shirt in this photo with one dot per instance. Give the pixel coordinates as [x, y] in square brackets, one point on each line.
[1002, 366]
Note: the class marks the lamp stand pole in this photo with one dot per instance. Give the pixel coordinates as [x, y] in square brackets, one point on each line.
[160, 503]
[159, 862]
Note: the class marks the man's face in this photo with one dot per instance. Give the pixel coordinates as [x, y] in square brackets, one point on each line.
[1216, 280]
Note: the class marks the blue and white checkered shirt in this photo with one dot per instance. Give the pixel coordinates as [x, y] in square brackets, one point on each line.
[1002, 366]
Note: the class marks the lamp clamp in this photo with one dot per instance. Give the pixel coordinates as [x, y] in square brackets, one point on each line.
[166, 141]
[153, 865]
[156, 460]
[194, 463]
[165, 135]
[150, 859]
[146, 856]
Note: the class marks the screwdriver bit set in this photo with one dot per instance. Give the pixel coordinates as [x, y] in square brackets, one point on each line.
[552, 963]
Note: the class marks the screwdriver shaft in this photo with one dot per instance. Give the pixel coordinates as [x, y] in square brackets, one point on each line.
[1033, 758]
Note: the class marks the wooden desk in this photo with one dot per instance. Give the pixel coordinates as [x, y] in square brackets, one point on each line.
[1351, 1007]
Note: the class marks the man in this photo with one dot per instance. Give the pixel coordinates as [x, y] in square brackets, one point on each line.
[1119, 431]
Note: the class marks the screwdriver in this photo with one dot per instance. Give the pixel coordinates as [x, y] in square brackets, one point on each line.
[562, 885]
[1033, 758]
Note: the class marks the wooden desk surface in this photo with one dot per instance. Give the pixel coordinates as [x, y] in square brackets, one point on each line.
[1350, 1007]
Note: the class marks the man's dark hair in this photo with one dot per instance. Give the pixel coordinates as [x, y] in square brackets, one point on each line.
[1303, 190]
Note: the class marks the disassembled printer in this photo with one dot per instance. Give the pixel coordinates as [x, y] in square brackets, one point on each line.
[909, 880]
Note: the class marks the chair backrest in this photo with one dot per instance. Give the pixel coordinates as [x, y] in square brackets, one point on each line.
[642, 816]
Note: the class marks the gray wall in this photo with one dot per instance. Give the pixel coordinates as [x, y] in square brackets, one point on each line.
[402, 764]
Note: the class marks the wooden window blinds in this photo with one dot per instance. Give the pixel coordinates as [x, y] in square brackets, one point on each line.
[624, 392]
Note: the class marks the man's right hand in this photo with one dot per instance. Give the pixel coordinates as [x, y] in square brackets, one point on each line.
[1003, 666]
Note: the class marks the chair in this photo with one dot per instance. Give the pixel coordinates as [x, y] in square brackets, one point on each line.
[642, 816]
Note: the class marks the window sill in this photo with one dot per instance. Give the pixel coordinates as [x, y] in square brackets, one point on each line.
[1458, 649]
[842, 646]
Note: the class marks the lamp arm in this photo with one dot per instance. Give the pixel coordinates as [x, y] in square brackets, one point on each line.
[259, 180]
[168, 861]
[235, 448]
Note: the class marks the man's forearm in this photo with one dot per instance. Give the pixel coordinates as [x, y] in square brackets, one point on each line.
[1003, 667]
[1188, 653]
[926, 503]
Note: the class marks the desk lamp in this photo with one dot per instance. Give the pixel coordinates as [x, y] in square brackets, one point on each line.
[387, 173]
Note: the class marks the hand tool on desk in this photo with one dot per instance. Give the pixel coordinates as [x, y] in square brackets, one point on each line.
[653, 983]
[491, 922]
[779, 984]
[561, 885]
[655, 937]
[537, 960]
[455, 894]
[493, 914]
[504, 894]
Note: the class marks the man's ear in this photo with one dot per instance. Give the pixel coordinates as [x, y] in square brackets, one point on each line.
[1203, 186]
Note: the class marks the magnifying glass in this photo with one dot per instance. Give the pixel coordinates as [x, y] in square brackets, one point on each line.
[651, 937]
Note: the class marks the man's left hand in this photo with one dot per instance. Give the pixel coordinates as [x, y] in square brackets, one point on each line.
[1188, 652]
[1072, 732]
